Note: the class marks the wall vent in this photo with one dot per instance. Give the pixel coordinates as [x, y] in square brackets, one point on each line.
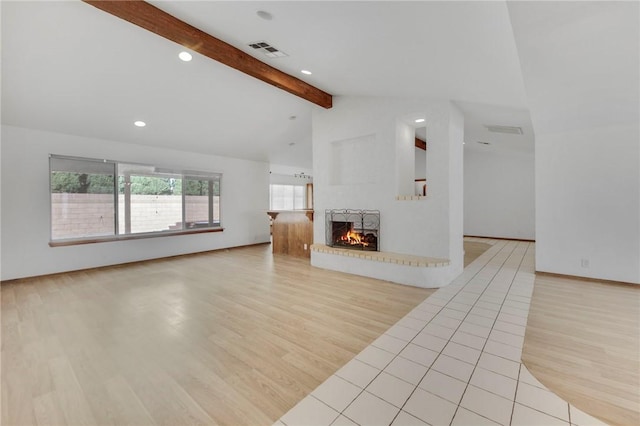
[511, 130]
[267, 49]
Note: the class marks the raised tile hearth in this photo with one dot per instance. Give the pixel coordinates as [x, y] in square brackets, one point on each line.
[381, 256]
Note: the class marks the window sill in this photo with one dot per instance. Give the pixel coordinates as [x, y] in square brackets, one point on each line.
[141, 236]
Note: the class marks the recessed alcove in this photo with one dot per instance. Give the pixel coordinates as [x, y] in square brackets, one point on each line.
[411, 157]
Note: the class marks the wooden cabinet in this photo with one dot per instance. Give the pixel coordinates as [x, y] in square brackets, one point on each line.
[292, 232]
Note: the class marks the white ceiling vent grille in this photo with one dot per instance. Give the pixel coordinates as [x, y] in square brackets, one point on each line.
[267, 49]
[504, 129]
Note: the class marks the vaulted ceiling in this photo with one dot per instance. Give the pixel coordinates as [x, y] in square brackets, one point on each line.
[69, 67]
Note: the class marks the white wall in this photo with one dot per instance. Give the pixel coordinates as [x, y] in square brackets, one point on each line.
[588, 203]
[364, 136]
[25, 203]
[580, 63]
[405, 159]
[499, 194]
[288, 175]
[280, 169]
[456, 187]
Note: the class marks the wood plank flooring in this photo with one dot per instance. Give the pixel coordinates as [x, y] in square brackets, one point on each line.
[231, 337]
[583, 343]
[239, 337]
[474, 247]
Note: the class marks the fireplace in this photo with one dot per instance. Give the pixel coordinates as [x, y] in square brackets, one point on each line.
[353, 229]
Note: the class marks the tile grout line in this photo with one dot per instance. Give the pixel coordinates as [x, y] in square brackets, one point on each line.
[518, 282]
[544, 388]
[513, 407]
[456, 329]
[487, 340]
[409, 342]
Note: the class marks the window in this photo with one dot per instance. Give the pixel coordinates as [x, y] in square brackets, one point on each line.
[99, 199]
[200, 209]
[287, 197]
[82, 198]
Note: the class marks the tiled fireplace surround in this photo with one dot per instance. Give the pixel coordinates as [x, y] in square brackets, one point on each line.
[453, 360]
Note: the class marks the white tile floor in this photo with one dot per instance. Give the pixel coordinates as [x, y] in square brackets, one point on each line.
[453, 360]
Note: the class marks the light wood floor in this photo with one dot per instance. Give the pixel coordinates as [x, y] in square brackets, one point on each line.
[232, 337]
[583, 343]
[238, 337]
[472, 249]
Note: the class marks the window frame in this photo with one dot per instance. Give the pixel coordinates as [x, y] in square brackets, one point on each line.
[184, 176]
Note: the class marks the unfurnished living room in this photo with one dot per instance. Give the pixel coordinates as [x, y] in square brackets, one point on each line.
[320, 213]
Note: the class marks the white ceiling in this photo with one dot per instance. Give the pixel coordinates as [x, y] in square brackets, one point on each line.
[453, 50]
[477, 116]
[71, 68]
[581, 62]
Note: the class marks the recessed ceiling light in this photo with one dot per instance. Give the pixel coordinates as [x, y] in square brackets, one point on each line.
[140, 123]
[419, 120]
[264, 15]
[306, 72]
[185, 56]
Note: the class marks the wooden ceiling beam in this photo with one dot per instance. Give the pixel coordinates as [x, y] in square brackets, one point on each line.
[421, 144]
[165, 25]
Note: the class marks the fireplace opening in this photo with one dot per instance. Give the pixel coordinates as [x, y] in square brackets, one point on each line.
[353, 229]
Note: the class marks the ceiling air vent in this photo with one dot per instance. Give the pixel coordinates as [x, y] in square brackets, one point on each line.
[504, 129]
[267, 49]
[484, 143]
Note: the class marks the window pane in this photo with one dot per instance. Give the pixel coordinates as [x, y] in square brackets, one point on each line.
[216, 200]
[196, 203]
[82, 198]
[298, 202]
[149, 203]
[277, 197]
[288, 197]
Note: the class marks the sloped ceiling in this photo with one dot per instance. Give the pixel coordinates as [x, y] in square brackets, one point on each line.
[580, 62]
[69, 67]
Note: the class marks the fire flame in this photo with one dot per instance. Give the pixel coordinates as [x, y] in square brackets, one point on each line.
[353, 239]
